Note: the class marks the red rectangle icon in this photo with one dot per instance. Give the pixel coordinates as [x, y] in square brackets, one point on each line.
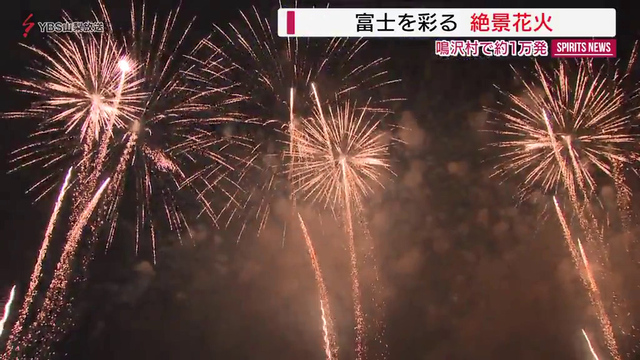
[291, 22]
[583, 48]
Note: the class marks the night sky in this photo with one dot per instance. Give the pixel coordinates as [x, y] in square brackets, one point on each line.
[466, 271]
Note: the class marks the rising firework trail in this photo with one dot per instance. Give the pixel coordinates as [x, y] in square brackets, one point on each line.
[337, 158]
[378, 316]
[575, 254]
[7, 309]
[355, 281]
[55, 301]
[591, 349]
[330, 346]
[605, 322]
[37, 271]
[582, 265]
[623, 201]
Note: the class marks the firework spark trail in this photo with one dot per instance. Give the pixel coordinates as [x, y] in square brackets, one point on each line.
[153, 128]
[593, 351]
[623, 200]
[55, 299]
[77, 84]
[7, 309]
[74, 82]
[575, 254]
[573, 174]
[114, 191]
[355, 281]
[331, 348]
[37, 271]
[325, 146]
[182, 122]
[377, 299]
[328, 349]
[294, 134]
[85, 93]
[580, 261]
[605, 322]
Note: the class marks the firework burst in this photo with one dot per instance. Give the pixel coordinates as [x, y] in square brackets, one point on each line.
[569, 122]
[336, 159]
[176, 124]
[122, 108]
[572, 125]
[76, 83]
[341, 152]
[133, 96]
[274, 76]
[272, 67]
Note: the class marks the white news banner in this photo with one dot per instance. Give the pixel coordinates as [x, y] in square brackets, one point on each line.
[447, 23]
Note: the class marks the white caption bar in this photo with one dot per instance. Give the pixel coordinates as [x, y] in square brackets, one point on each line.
[447, 23]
